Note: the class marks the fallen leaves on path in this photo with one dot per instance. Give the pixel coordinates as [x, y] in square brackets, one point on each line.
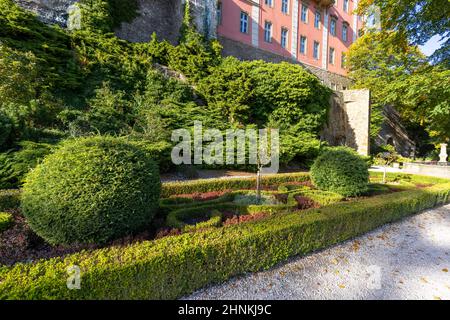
[356, 245]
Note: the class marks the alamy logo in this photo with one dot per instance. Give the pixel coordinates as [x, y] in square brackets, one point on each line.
[212, 146]
[74, 279]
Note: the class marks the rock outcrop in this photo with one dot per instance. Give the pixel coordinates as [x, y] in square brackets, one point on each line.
[49, 11]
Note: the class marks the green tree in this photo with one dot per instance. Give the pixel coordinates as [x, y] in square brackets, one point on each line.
[230, 88]
[420, 20]
[399, 75]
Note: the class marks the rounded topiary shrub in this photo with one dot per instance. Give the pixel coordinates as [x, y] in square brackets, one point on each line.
[91, 190]
[340, 170]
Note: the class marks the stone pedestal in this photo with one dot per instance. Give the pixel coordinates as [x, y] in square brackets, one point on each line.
[443, 155]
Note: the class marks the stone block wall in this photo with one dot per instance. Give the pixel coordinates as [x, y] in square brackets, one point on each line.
[349, 120]
[357, 110]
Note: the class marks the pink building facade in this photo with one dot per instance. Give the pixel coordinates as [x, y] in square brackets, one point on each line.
[316, 33]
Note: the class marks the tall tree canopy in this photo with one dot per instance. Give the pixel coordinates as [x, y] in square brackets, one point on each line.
[399, 75]
[420, 20]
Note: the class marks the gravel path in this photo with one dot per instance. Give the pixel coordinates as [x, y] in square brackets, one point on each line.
[404, 260]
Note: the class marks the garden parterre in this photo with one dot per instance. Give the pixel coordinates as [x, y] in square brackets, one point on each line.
[176, 265]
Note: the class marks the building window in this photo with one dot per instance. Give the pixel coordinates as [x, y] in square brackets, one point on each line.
[331, 56]
[343, 60]
[285, 6]
[244, 22]
[333, 27]
[219, 12]
[284, 37]
[316, 51]
[269, 3]
[344, 32]
[303, 43]
[317, 19]
[345, 5]
[304, 16]
[268, 31]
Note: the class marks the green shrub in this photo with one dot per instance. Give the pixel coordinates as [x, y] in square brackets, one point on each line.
[108, 111]
[342, 171]
[160, 152]
[14, 165]
[6, 220]
[171, 267]
[9, 199]
[215, 220]
[323, 198]
[91, 190]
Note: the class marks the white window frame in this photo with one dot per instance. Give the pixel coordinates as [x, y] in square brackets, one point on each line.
[243, 27]
[269, 3]
[305, 20]
[285, 6]
[344, 32]
[284, 37]
[316, 56]
[317, 22]
[268, 31]
[333, 26]
[345, 5]
[305, 47]
[332, 56]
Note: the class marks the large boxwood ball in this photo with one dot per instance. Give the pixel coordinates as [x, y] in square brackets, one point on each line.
[340, 170]
[91, 190]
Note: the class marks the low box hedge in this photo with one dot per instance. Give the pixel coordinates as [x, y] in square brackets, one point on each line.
[175, 266]
[208, 185]
[181, 209]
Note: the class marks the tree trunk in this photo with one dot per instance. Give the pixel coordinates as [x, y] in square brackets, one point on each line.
[258, 185]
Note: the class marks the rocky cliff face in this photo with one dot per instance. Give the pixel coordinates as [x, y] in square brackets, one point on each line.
[49, 11]
[161, 16]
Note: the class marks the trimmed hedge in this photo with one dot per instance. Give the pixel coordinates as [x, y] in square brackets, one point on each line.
[177, 213]
[6, 220]
[91, 190]
[208, 185]
[9, 199]
[175, 266]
